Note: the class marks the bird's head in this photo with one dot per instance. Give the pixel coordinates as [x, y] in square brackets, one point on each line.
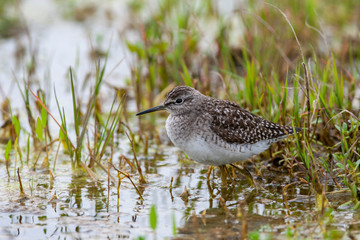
[180, 100]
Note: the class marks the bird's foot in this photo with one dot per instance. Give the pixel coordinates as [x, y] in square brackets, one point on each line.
[244, 171]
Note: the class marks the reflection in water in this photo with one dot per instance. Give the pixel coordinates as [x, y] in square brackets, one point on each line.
[78, 182]
[216, 206]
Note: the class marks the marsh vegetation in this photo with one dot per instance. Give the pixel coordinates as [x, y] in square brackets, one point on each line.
[76, 163]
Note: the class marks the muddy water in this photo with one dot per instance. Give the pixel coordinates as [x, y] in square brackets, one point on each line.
[83, 210]
[214, 209]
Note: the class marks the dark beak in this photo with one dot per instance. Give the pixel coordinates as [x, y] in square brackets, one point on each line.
[154, 109]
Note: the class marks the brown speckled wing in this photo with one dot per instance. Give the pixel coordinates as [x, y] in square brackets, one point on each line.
[236, 125]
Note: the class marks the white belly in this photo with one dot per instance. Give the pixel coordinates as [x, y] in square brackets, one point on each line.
[212, 154]
[207, 152]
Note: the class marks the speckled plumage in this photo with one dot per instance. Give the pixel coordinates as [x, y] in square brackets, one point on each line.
[214, 131]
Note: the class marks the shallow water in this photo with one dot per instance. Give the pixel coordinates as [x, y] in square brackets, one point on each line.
[81, 211]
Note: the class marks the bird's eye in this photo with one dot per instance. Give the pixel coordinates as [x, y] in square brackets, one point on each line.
[179, 100]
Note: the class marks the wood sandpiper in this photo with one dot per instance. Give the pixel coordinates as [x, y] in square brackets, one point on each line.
[216, 132]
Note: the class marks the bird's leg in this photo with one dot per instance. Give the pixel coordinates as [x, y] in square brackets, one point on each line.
[223, 171]
[234, 176]
[244, 171]
[211, 191]
[211, 168]
[230, 174]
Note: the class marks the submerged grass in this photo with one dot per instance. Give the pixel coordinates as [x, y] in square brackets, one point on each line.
[88, 156]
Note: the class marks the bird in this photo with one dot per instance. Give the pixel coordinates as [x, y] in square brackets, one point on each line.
[214, 131]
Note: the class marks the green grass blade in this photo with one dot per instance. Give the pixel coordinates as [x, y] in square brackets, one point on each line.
[186, 75]
[153, 217]
[39, 129]
[8, 150]
[76, 112]
[43, 117]
[174, 229]
[16, 124]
